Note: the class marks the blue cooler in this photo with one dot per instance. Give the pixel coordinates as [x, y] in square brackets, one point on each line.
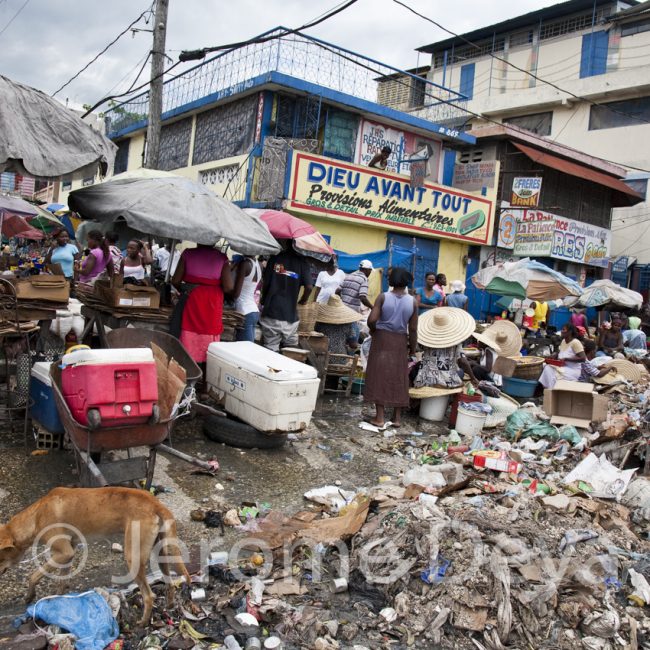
[44, 409]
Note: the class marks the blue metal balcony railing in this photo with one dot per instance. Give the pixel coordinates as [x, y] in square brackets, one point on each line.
[299, 56]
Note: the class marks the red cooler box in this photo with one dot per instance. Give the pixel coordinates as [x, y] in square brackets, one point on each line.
[111, 388]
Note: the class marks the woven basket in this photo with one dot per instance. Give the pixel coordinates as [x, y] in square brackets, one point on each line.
[307, 316]
[528, 367]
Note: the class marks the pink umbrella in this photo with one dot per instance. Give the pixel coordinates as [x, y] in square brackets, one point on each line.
[306, 239]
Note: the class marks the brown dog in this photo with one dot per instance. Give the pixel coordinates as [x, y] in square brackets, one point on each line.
[93, 512]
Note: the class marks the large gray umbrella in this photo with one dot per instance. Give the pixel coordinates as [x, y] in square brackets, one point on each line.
[41, 137]
[176, 208]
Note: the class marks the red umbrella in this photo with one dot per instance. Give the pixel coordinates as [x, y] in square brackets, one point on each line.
[13, 225]
[306, 239]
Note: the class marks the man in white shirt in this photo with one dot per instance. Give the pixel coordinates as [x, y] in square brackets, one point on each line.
[162, 256]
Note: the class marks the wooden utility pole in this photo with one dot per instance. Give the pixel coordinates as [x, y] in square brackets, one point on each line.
[156, 87]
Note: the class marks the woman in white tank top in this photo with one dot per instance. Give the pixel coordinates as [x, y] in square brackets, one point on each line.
[248, 276]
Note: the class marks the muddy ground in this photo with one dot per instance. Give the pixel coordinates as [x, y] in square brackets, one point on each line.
[319, 456]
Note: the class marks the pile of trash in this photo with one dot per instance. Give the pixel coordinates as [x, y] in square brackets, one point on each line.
[533, 534]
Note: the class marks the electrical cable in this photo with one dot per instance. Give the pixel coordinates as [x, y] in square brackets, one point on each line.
[193, 55]
[4, 29]
[117, 38]
[128, 74]
[323, 17]
[516, 67]
[463, 109]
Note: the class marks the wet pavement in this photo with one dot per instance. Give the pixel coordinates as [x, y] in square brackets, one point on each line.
[331, 449]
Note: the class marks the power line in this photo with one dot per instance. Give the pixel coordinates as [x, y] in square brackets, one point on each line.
[128, 74]
[4, 29]
[193, 55]
[516, 67]
[462, 108]
[235, 46]
[117, 38]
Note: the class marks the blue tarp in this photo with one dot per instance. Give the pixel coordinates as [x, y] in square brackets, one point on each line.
[380, 259]
[88, 616]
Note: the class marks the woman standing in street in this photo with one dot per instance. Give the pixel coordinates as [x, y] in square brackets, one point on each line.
[439, 286]
[132, 267]
[64, 254]
[203, 276]
[328, 281]
[427, 296]
[248, 274]
[393, 323]
[97, 261]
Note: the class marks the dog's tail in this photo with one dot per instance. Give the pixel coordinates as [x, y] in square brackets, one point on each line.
[170, 550]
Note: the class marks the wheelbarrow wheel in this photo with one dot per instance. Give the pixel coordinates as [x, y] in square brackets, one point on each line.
[94, 419]
[239, 434]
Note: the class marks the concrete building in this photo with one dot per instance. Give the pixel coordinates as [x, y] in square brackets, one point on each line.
[594, 54]
[292, 124]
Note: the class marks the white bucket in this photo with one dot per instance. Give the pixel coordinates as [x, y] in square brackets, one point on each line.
[470, 423]
[434, 408]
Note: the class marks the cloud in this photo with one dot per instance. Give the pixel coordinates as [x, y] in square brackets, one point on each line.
[51, 40]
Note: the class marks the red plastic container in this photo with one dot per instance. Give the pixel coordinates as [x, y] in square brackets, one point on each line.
[122, 391]
[555, 362]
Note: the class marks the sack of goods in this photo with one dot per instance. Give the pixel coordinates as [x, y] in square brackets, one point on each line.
[110, 388]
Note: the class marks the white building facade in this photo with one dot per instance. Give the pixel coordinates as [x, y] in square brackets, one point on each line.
[595, 56]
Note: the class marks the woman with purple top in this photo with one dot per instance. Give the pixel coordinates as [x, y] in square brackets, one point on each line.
[97, 261]
[393, 323]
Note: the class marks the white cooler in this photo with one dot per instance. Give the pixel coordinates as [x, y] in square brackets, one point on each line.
[265, 389]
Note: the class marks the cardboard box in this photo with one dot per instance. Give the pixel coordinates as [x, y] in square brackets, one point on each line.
[489, 460]
[46, 288]
[576, 403]
[129, 296]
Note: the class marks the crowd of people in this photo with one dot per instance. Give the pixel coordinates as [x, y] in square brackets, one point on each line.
[417, 333]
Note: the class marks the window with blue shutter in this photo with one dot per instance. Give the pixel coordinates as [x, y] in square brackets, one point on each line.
[467, 80]
[593, 60]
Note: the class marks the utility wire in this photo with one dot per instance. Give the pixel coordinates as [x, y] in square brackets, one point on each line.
[516, 67]
[461, 108]
[117, 38]
[4, 29]
[193, 55]
[199, 54]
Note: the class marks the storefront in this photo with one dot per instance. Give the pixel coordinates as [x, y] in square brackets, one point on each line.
[362, 209]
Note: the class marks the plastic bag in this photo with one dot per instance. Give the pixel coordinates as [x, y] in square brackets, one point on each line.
[88, 616]
[524, 423]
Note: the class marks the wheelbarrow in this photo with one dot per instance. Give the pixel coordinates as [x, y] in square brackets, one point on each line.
[90, 444]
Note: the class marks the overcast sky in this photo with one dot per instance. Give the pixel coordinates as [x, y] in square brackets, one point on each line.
[45, 42]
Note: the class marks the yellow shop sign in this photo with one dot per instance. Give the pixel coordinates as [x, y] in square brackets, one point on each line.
[324, 187]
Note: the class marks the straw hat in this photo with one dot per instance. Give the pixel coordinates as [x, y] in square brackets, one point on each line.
[424, 392]
[444, 327]
[502, 336]
[334, 312]
[622, 367]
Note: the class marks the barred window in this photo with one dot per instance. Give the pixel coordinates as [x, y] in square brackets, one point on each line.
[225, 131]
[122, 156]
[175, 144]
[572, 24]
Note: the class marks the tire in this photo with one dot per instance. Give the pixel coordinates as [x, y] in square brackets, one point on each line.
[94, 419]
[155, 415]
[239, 434]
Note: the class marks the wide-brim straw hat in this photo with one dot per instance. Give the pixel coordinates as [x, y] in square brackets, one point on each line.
[424, 392]
[444, 327]
[502, 336]
[620, 368]
[334, 312]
